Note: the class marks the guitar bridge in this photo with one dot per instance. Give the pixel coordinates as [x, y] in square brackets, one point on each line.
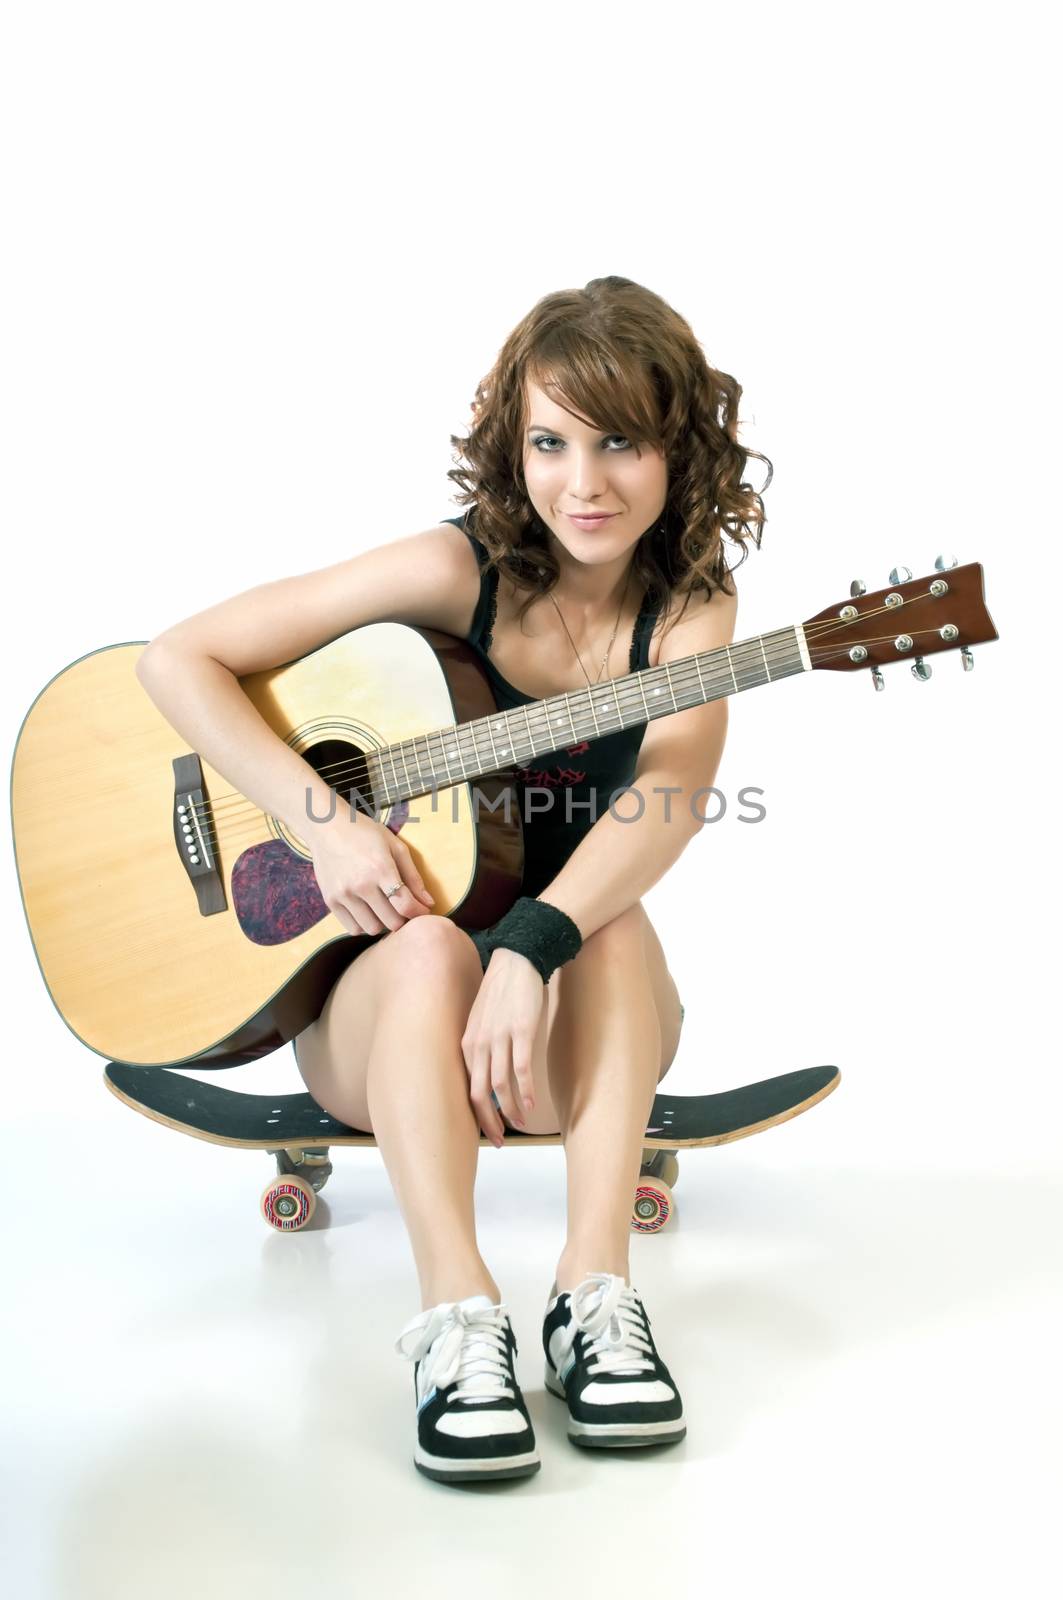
[193, 832]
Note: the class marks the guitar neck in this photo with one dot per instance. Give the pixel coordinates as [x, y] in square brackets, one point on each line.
[486, 745]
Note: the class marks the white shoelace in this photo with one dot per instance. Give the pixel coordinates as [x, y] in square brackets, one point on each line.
[469, 1345]
[606, 1309]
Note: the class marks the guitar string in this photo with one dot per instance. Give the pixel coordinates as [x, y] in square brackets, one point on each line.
[254, 814]
[209, 828]
[632, 694]
[679, 671]
[253, 817]
[249, 824]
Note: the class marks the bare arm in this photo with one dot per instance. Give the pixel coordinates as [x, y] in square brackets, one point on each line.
[191, 671]
[619, 860]
[204, 702]
[608, 871]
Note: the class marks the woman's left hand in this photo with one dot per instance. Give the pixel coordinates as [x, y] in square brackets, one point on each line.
[498, 1040]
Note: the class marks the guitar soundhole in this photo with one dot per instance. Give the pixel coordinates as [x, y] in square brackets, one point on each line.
[344, 768]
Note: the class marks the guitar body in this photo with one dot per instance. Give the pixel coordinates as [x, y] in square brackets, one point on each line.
[148, 964]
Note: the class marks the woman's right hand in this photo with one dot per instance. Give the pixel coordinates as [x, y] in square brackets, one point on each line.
[356, 860]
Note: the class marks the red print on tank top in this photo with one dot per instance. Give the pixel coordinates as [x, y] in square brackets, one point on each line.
[560, 777]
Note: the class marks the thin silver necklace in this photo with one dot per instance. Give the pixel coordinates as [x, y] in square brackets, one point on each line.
[612, 636]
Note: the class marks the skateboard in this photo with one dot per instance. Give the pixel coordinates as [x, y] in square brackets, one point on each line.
[300, 1133]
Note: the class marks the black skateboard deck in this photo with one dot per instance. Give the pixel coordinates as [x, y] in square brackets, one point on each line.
[269, 1122]
[301, 1132]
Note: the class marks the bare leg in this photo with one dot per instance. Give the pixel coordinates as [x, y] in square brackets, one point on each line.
[605, 1063]
[385, 1055]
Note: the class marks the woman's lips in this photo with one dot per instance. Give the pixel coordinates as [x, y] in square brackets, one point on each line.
[589, 522]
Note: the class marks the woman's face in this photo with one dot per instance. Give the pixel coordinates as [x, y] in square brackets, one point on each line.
[571, 467]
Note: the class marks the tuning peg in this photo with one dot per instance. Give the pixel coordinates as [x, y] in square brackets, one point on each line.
[877, 679]
[921, 669]
[900, 574]
[967, 657]
[943, 563]
[857, 588]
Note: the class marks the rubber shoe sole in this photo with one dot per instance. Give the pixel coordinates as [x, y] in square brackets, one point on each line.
[614, 1435]
[443, 1470]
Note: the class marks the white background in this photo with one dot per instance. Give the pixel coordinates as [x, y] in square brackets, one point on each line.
[256, 259]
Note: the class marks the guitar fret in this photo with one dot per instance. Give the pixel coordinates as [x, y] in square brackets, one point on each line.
[394, 776]
[405, 768]
[447, 754]
[491, 736]
[616, 697]
[642, 691]
[432, 760]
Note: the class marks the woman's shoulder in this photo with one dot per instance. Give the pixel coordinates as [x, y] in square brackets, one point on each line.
[466, 521]
[690, 623]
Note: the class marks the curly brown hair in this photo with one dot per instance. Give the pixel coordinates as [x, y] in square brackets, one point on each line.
[628, 363]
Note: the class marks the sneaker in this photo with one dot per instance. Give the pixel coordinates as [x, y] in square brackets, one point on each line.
[601, 1358]
[472, 1422]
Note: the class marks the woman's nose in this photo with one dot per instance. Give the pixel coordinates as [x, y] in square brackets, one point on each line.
[587, 476]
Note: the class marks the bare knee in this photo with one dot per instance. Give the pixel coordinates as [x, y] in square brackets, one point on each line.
[433, 947]
[436, 948]
[333, 1053]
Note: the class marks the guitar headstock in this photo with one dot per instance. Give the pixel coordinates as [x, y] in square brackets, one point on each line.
[912, 619]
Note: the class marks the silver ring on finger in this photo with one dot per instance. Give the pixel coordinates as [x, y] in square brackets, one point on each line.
[390, 892]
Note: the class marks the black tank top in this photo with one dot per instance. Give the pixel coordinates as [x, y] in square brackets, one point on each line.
[565, 793]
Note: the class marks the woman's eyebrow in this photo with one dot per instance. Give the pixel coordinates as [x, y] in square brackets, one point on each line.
[556, 432]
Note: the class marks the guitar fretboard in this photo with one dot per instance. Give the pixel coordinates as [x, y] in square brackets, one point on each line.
[485, 745]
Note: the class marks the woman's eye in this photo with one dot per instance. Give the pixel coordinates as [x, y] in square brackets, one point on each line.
[549, 438]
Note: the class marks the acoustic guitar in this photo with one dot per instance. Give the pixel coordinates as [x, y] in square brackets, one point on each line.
[174, 922]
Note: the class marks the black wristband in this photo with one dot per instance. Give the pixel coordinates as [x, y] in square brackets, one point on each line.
[542, 932]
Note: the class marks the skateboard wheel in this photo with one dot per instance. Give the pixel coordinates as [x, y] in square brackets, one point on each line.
[654, 1207]
[288, 1203]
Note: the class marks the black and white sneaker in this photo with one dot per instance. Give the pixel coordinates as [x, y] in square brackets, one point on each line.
[472, 1422]
[601, 1358]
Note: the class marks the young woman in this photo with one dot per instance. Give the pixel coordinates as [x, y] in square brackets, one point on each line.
[601, 474]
